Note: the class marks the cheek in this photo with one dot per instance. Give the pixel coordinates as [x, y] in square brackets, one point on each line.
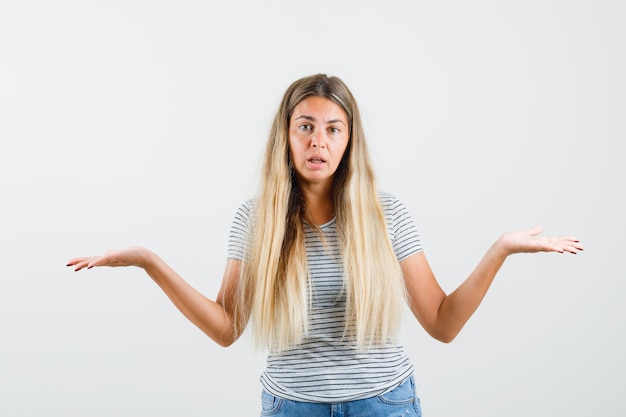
[342, 150]
[291, 144]
[297, 145]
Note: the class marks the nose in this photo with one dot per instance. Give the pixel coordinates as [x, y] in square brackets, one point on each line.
[317, 140]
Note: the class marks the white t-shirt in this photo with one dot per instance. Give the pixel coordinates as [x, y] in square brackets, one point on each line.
[325, 368]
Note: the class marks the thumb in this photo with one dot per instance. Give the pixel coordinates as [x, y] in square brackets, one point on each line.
[534, 231]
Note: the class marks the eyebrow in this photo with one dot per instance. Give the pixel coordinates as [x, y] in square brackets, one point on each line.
[311, 118]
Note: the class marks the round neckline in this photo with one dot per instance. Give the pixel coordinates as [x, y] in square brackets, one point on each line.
[324, 225]
[328, 223]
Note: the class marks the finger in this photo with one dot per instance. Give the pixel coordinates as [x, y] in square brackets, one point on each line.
[96, 261]
[534, 231]
[553, 247]
[562, 246]
[574, 249]
[80, 265]
[571, 242]
[85, 262]
[571, 239]
[74, 261]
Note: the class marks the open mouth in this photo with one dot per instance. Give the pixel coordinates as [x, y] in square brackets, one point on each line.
[317, 160]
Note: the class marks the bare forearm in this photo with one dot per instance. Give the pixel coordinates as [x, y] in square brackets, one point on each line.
[207, 315]
[456, 308]
[443, 316]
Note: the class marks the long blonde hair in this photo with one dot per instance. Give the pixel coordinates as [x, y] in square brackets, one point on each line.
[274, 284]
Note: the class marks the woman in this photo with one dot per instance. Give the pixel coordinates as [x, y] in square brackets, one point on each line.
[319, 263]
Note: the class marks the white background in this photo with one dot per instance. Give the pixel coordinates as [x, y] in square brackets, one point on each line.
[143, 122]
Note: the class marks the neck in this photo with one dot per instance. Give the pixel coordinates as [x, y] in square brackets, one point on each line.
[319, 203]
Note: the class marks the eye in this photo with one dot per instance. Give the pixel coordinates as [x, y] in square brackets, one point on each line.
[305, 127]
[334, 129]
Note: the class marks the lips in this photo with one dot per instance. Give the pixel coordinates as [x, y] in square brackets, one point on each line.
[316, 160]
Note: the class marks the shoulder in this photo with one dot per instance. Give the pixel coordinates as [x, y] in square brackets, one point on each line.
[390, 203]
[396, 214]
[247, 207]
[244, 213]
[401, 227]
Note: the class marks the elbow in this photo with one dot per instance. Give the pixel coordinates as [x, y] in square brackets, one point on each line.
[444, 336]
[445, 339]
[225, 340]
[444, 331]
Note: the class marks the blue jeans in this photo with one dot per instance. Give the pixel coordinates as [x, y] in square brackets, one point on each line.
[399, 402]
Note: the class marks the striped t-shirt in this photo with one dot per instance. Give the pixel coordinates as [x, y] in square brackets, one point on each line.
[326, 367]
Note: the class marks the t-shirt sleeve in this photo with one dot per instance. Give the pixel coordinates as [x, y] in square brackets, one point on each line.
[402, 229]
[239, 234]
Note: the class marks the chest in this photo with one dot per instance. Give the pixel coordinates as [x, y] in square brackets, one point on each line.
[325, 267]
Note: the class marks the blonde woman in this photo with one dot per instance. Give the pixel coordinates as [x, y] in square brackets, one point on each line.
[319, 264]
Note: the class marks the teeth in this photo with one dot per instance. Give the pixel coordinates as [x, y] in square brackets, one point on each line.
[317, 161]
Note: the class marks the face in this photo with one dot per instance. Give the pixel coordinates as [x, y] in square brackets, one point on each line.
[318, 137]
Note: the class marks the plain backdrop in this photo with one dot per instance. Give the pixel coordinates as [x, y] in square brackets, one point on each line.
[143, 122]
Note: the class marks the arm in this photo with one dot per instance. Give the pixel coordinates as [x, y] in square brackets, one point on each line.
[443, 316]
[215, 318]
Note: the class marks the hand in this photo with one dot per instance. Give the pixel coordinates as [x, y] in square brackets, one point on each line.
[528, 241]
[133, 256]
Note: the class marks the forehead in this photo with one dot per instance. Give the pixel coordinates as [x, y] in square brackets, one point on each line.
[319, 108]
